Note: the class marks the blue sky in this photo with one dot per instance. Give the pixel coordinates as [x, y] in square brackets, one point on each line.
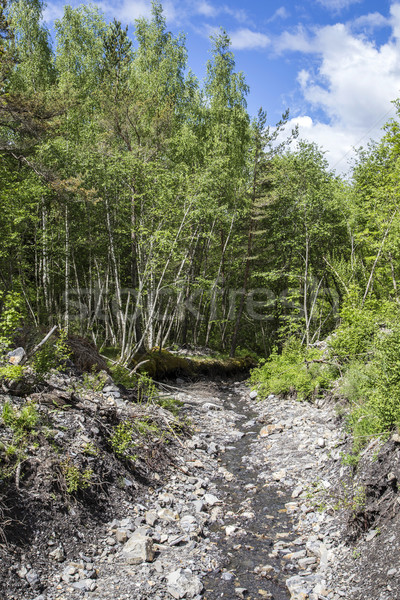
[334, 63]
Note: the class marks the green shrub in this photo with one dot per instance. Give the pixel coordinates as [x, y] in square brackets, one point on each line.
[170, 404]
[146, 389]
[373, 390]
[121, 376]
[12, 372]
[122, 441]
[75, 479]
[294, 370]
[94, 381]
[20, 421]
[52, 355]
[146, 427]
[11, 317]
[356, 336]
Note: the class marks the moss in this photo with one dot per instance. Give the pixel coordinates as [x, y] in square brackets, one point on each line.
[165, 364]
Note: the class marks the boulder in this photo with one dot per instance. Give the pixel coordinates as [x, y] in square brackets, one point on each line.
[183, 584]
[138, 549]
[16, 356]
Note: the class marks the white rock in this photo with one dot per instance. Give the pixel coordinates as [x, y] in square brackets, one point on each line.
[211, 500]
[58, 554]
[151, 517]
[370, 536]
[279, 475]
[189, 524]
[16, 356]
[297, 491]
[138, 549]
[253, 395]
[230, 529]
[165, 514]
[32, 577]
[199, 505]
[183, 584]
[227, 576]
[317, 549]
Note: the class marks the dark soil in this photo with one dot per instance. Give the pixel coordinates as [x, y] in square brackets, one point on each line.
[40, 509]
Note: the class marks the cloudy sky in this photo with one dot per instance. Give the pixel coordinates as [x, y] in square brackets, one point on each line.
[334, 63]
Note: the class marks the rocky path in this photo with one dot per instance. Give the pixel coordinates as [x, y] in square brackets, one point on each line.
[249, 512]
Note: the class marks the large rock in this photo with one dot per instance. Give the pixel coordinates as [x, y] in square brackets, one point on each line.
[183, 584]
[138, 549]
[16, 356]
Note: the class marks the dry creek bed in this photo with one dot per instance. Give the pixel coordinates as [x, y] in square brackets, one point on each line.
[257, 505]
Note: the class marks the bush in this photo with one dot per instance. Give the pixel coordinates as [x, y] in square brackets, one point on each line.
[360, 327]
[21, 421]
[75, 479]
[373, 390]
[121, 376]
[52, 355]
[170, 404]
[293, 371]
[11, 317]
[122, 441]
[12, 372]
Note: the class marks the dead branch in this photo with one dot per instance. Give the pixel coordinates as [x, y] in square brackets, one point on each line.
[38, 346]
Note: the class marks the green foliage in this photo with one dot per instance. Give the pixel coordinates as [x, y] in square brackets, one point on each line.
[146, 389]
[359, 328]
[23, 424]
[20, 421]
[120, 375]
[293, 371]
[10, 318]
[12, 372]
[122, 441]
[373, 390]
[348, 496]
[94, 381]
[44, 360]
[90, 449]
[145, 427]
[52, 355]
[75, 479]
[170, 404]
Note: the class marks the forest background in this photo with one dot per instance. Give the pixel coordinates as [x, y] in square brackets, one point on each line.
[142, 208]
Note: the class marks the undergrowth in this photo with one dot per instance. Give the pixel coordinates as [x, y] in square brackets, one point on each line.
[362, 359]
[296, 369]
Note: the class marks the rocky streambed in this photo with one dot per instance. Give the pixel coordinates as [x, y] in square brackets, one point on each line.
[256, 504]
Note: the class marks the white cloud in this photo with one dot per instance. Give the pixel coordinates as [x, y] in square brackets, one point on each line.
[337, 5]
[245, 39]
[355, 80]
[206, 9]
[395, 20]
[350, 84]
[280, 13]
[52, 12]
[239, 14]
[128, 10]
[338, 141]
[296, 41]
[371, 21]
